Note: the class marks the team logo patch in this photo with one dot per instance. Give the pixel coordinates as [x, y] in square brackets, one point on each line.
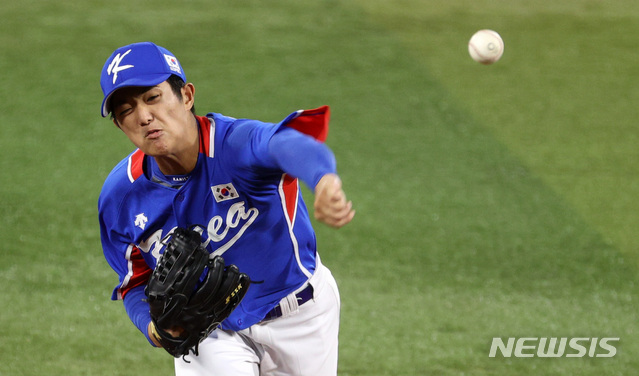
[173, 63]
[223, 192]
[141, 220]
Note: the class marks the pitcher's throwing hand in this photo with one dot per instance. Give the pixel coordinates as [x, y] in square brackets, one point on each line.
[331, 206]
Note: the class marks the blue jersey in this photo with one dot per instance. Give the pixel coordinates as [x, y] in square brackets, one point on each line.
[250, 210]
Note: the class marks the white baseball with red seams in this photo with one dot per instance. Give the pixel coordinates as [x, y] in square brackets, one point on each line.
[486, 46]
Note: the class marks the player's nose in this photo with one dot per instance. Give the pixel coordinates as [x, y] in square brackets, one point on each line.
[145, 116]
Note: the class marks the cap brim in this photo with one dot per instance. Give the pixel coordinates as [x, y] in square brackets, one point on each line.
[149, 80]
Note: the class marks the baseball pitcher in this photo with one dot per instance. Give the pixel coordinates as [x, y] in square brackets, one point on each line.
[205, 226]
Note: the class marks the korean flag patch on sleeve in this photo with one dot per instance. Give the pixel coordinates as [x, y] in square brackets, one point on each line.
[223, 192]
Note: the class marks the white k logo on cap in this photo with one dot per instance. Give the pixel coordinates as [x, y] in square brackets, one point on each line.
[115, 67]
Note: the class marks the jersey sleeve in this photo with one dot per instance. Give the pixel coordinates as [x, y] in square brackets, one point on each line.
[122, 256]
[138, 310]
[293, 146]
[301, 156]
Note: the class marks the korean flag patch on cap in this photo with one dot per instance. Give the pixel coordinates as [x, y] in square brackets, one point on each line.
[173, 63]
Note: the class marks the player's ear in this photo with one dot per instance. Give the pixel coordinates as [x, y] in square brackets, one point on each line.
[188, 95]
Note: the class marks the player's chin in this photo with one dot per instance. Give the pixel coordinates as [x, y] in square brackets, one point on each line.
[155, 148]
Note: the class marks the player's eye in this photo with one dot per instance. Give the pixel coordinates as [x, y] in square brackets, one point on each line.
[124, 111]
[153, 98]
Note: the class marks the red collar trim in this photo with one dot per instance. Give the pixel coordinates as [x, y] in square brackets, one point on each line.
[135, 167]
[206, 142]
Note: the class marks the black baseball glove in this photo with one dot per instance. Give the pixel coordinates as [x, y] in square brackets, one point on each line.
[190, 293]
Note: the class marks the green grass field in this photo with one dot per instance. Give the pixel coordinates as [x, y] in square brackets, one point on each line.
[492, 201]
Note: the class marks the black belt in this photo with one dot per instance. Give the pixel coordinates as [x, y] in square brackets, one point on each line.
[302, 297]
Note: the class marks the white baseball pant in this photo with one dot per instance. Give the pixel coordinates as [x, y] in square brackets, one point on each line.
[302, 342]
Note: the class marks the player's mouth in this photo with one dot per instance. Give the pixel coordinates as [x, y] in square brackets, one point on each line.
[154, 133]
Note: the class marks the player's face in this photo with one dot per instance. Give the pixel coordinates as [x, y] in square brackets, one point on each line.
[155, 119]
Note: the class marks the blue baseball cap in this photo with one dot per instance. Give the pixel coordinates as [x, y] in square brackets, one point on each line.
[137, 64]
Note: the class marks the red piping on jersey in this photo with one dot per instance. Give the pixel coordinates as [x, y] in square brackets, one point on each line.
[290, 187]
[139, 272]
[205, 134]
[135, 167]
[312, 122]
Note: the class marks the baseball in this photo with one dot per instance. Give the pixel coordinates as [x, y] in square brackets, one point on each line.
[486, 46]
